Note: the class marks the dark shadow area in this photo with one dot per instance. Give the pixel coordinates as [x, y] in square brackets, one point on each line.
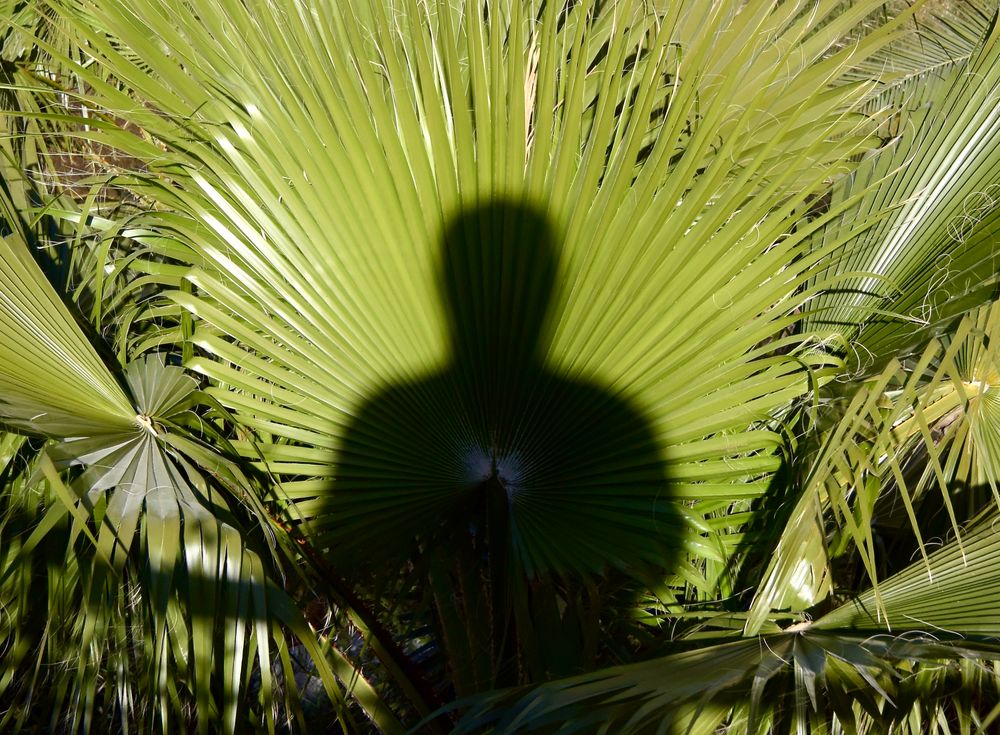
[896, 544]
[771, 513]
[526, 502]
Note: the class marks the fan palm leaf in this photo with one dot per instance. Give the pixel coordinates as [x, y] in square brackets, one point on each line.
[941, 170]
[636, 155]
[307, 309]
[913, 261]
[144, 503]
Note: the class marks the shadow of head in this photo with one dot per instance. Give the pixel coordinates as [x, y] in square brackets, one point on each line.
[497, 278]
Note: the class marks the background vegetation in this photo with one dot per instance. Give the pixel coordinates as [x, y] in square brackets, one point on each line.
[264, 264]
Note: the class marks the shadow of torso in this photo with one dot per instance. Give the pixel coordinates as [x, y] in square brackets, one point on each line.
[573, 464]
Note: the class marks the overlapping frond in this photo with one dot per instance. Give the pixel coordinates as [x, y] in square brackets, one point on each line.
[917, 436]
[210, 616]
[933, 258]
[842, 665]
[946, 36]
[55, 383]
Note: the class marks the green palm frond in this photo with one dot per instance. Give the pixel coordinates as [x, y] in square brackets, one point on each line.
[945, 37]
[56, 384]
[210, 609]
[307, 309]
[157, 526]
[936, 414]
[951, 595]
[909, 276]
[933, 258]
[801, 681]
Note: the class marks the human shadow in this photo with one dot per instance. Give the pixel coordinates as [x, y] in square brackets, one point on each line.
[528, 498]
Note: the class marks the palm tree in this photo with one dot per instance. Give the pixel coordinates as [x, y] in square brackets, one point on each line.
[708, 386]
